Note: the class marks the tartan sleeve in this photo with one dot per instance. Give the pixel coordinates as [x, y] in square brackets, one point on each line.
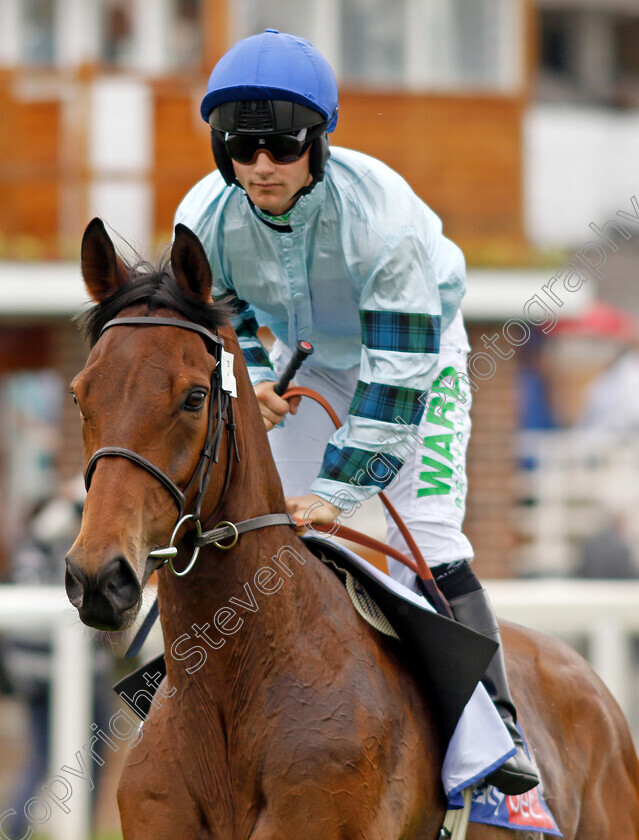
[257, 359]
[400, 318]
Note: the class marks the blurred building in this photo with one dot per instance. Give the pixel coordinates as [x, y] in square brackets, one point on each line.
[513, 119]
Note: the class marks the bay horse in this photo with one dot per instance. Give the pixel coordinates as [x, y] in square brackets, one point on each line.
[288, 713]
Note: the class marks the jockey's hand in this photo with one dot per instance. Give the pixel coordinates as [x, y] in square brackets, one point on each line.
[274, 408]
[311, 508]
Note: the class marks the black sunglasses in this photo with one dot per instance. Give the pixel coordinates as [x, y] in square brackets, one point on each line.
[281, 148]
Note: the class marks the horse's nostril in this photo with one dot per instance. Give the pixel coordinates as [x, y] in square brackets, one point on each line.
[73, 583]
[119, 584]
[107, 599]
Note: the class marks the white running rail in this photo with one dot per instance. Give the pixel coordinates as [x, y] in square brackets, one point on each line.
[47, 608]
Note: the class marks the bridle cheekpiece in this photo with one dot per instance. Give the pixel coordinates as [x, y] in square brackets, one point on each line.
[220, 407]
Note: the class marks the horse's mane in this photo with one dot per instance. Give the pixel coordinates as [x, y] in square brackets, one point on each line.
[157, 288]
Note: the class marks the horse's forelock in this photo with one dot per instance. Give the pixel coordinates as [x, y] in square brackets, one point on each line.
[156, 288]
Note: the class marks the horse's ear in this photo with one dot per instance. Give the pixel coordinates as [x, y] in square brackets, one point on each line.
[103, 271]
[190, 265]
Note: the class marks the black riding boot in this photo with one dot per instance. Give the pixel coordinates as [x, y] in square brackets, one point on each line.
[471, 606]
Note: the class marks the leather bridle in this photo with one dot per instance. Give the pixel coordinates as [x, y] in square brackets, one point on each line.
[220, 415]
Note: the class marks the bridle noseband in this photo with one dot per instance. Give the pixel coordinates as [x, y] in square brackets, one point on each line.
[220, 406]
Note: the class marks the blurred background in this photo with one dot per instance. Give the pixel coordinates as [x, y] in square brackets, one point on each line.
[517, 121]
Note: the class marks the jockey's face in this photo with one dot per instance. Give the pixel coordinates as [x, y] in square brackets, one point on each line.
[273, 186]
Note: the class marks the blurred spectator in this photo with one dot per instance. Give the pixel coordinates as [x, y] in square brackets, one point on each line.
[611, 402]
[39, 561]
[534, 409]
[533, 398]
[604, 362]
[607, 554]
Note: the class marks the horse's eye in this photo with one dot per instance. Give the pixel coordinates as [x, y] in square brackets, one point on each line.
[195, 399]
[75, 399]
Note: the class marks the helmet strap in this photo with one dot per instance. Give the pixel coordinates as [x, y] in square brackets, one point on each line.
[318, 157]
[222, 159]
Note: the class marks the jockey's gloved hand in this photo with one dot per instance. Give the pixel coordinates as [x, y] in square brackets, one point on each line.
[273, 407]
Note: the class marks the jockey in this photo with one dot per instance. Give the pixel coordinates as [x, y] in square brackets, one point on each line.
[331, 246]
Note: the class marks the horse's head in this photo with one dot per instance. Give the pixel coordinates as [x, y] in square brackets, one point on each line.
[144, 396]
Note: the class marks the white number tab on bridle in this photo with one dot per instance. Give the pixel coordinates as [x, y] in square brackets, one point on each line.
[228, 377]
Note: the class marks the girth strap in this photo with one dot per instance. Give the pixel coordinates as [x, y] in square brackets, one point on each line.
[143, 630]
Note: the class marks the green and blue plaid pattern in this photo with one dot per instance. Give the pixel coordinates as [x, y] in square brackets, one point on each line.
[404, 332]
[387, 402]
[256, 356]
[247, 327]
[359, 466]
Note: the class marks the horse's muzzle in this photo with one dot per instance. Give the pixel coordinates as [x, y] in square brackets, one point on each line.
[109, 599]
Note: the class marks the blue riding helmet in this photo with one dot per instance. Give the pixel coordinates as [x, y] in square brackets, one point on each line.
[274, 65]
[272, 83]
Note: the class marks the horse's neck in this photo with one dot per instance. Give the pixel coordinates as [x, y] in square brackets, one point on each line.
[234, 601]
[263, 586]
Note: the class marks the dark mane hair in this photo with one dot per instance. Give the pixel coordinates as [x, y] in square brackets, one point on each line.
[157, 288]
